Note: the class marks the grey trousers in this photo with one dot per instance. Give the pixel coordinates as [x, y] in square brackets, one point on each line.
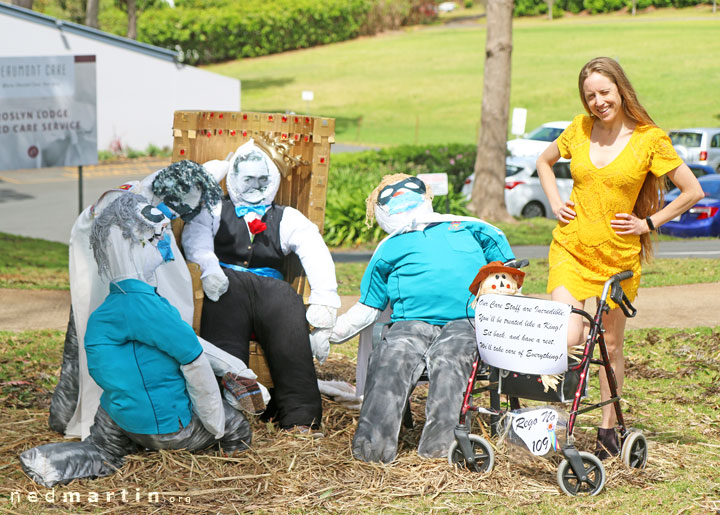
[103, 452]
[65, 396]
[396, 364]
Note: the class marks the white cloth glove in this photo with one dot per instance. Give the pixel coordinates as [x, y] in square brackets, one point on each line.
[322, 318]
[320, 343]
[354, 320]
[214, 285]
[202, 387]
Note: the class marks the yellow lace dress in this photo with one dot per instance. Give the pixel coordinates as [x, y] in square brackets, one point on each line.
[586, 251]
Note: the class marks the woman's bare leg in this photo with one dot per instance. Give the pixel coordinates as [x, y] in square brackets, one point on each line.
[614, 323]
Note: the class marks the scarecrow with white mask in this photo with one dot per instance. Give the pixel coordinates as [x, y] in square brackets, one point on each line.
[159, 389]
[241, 247]
[182, 189]
[422, 270]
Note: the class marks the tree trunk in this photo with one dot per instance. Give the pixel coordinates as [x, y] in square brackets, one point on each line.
[132, 19]
[550, 6]
[91, 14]
[27, 4]
[488, 195]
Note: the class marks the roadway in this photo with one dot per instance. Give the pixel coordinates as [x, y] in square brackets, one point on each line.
[43, 203]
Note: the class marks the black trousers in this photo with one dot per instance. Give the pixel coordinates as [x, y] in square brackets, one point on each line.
[274, 313]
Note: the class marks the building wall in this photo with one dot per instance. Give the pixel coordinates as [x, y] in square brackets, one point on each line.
[138, 86]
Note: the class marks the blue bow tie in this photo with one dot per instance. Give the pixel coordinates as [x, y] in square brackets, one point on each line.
[241, 211]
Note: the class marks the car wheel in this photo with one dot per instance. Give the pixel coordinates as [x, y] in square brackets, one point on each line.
[533, 209]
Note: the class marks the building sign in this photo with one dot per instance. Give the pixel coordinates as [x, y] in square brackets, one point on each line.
[522, 334]
[48, 114]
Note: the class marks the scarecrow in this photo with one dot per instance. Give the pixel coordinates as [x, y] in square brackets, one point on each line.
[159, 389]
[242, 246]
[422, 270]
[182, 189]
[504, 280]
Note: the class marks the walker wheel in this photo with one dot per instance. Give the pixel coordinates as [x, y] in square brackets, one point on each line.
[482, 450]
[634, 450]
[594, 472]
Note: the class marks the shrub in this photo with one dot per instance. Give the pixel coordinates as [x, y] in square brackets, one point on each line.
[209, 31]
[354, 176]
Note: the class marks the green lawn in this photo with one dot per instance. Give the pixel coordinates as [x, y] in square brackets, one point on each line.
[424, 84]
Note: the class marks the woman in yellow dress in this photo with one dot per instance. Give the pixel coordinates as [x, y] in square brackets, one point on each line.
[618, 157]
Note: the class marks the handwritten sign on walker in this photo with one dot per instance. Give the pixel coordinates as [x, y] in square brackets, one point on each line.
[522, 334]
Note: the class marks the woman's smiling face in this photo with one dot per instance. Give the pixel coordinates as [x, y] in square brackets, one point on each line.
[602, 97]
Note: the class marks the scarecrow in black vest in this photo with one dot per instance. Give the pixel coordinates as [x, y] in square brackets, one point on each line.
[241, 249]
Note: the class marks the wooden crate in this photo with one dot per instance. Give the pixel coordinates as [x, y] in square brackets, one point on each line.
[302, 141]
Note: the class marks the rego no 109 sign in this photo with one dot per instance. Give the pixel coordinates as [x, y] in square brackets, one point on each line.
[522, 334]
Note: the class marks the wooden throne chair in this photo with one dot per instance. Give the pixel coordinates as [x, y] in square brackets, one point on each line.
[299, 144]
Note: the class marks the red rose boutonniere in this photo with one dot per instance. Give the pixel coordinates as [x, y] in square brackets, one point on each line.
[257, 226]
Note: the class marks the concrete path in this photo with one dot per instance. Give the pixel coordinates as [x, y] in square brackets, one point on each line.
[671, 306]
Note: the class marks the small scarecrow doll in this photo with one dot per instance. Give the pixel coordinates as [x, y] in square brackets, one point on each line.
[504, 280]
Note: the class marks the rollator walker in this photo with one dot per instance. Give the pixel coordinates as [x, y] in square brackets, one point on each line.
[580, 473]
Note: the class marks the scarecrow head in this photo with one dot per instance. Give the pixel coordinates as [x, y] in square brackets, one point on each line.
[129, 239]
[253, 178]
[497, 278]
[184, 188]
[397, 201]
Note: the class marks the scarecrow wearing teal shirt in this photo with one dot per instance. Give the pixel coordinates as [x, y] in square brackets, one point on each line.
[422, 271]
[159, 388]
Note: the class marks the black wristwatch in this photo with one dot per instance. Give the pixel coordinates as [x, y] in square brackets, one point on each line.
[650, 223]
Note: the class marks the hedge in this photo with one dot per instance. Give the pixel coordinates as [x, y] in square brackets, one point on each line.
[536, 7]
[354, 176]
[208, 32]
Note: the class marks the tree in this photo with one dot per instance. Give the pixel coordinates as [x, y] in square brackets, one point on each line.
[91, 13]
[550, 8]
[488, 196]
[132, 19]
[27, 4]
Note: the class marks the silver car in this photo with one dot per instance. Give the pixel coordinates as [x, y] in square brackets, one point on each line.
[699, 145]
[523, 194]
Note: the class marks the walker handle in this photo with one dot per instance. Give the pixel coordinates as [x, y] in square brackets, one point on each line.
[618, 295]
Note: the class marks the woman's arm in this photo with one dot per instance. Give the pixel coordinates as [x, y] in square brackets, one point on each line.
[690, 193]
[562, 210]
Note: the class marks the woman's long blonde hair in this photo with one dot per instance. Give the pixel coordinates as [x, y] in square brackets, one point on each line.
[651, 197]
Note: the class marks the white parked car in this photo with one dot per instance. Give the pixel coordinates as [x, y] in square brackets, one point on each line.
[523, 194]
[534, 143]
[698, 145]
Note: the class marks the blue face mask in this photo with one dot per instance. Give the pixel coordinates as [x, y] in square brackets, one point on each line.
[404, 202]
[165, 249]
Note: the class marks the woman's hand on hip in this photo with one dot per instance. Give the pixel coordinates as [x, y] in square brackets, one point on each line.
[565, 212]
[627, 223]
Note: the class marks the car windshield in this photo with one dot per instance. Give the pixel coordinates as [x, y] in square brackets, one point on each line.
[711, 189]
[686, 139]
[545, 134]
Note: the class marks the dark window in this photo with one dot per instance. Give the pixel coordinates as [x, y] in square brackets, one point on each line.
[511, 170]
[715, 142]
[545, 134]
[686, 139]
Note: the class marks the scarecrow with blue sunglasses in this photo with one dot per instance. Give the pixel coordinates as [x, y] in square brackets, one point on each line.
[422, 271]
